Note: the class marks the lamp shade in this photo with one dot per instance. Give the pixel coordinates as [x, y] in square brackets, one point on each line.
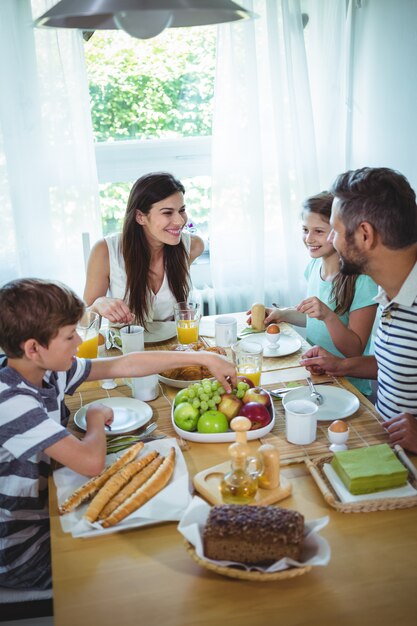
[141, 18]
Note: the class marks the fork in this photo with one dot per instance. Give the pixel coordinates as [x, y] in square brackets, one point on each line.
[314, 395]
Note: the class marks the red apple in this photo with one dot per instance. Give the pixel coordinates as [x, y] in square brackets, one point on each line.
[257, 394]
[257, 413]
[229, 405]
[243, 379]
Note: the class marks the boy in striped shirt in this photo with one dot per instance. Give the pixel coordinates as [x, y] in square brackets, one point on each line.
[374, 230]
[38, 334]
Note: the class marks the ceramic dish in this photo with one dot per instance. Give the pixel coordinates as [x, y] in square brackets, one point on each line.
[129, 414]
[160, 331]
[179, 384]
[230, 435]
[287, 344]
[338, 403]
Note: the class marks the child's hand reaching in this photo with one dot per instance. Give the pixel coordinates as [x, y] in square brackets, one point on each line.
[313, 307]
[100, 413]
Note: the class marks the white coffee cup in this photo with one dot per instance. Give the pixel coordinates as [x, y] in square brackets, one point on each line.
[301, 421]
[144, 388]
[225, 331]
[132, 339]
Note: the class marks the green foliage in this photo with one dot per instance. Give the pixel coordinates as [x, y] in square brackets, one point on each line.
[162, 87]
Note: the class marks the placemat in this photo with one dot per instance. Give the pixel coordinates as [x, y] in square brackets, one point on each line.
[365, 429]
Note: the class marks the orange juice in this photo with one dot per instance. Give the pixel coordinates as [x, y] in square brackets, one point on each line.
[187, 331]
[89, 347]
[250, 372]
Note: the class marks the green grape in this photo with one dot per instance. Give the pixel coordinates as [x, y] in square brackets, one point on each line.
[215, 385]
[203, 406]
[242, 386]
[211, 404]
[240, 393]
[204, 397]
[221, 390]
[191, 393]
[196, 403]
[216, 398]
[207, 388]
[200, 392]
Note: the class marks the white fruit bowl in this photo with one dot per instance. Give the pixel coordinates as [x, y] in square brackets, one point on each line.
[230, 435]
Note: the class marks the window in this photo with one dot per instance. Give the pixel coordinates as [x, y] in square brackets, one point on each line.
[151, 107]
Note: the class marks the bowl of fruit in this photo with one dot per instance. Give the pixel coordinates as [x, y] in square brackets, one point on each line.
[202, 411]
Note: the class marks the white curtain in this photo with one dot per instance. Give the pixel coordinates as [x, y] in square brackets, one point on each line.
[278, 137]
[48, 180]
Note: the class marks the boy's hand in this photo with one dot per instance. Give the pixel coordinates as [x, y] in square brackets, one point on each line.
[99, 413]
[222, 369]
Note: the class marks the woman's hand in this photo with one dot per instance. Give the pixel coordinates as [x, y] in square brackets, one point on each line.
[221, 368]
[402, 429]
[113, 309]
[313, 307]
[268, 312]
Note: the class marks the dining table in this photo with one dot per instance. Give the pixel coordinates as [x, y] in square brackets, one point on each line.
[146, 575]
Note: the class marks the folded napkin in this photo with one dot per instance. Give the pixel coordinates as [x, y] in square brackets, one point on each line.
[248, 330]
[365, 470]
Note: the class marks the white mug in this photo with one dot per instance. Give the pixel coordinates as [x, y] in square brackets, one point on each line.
[301, 421]
[225, 331]
[144, 388]
[132, 339]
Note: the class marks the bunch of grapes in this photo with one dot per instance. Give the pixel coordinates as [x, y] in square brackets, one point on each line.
[206, 394]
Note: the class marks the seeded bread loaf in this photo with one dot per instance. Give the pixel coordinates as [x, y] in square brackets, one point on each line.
[257, 535]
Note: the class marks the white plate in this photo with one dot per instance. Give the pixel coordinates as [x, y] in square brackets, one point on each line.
[230, 435]
[129, 414]
[288, 344]
[338, 403]
[179, 384]
[159, 331]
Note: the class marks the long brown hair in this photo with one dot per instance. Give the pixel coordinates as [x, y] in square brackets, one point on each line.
[147, 190]
[343, 287]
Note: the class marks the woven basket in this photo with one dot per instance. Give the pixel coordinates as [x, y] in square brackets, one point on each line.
[241, 574]
[315, 467]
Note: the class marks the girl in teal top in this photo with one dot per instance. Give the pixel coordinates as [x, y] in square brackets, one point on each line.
[339, 311]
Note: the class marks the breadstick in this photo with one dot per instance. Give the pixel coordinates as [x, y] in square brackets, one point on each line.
[137, 481]
[145, 492]
[91, 487]
[114, 484]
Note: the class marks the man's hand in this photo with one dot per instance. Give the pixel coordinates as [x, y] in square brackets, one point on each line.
[318, 361]
[402, 429]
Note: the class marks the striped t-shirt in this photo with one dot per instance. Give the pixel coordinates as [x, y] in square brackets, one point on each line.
[31, 419]
[396, 350]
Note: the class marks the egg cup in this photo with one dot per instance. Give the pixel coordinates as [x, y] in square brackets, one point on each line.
[338, 440]
[273, 343]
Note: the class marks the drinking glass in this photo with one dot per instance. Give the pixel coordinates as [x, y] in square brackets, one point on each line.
[187, 319]
[88, 328]
[247, 357]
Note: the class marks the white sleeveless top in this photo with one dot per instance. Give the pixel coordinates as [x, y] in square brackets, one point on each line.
[162, 303]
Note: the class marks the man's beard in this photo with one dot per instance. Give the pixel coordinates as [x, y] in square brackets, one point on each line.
[349, 268]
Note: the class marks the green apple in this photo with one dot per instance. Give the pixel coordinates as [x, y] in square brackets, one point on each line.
[213, 422]
[182, 396]
[186, 416]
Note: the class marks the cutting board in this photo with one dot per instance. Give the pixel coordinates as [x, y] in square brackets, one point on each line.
[208, 481]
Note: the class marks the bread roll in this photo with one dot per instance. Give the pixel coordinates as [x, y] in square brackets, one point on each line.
[258, 316]
[91, 487]
[152, 486]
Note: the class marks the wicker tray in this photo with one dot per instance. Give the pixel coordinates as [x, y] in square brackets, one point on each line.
[241, 574]
[315, 467]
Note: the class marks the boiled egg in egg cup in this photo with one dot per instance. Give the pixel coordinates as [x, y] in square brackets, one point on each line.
[338, 434]
[272, 333]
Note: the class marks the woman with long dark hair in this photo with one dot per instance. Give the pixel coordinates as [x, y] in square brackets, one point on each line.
[339, 311]
[140, 273]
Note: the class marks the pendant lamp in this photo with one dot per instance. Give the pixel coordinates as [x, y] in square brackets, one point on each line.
[141, 18]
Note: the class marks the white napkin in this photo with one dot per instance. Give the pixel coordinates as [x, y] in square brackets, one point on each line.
[168, 505]
[316, 550]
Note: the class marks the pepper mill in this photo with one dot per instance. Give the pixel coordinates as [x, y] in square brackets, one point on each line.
[239, 486]
[269, 478]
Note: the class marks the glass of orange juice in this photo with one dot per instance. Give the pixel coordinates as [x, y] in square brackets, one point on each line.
[187, 319]
[88, 328]
[247, 357]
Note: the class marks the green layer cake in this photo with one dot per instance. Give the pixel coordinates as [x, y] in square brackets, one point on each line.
[365, 470]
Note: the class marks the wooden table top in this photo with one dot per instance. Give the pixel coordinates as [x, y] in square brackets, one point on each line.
[146, 576]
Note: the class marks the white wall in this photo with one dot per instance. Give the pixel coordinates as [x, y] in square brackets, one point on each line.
[384, 94]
